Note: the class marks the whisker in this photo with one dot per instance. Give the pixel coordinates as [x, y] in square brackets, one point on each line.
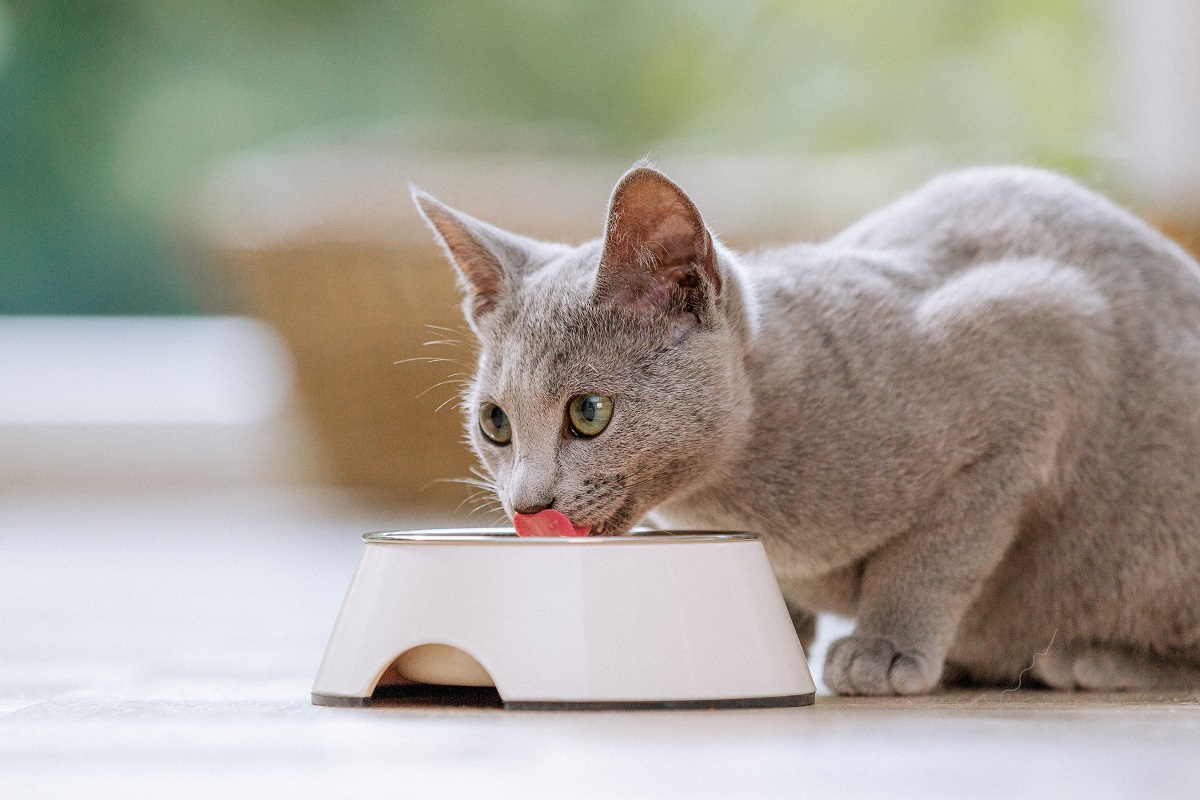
[471, 498]
[446, 382]
[489, 503]
[447, 401]
[482, 486]
[483, 476]
[433, 327]
[487, 508]
[430, 360]
[466, 481]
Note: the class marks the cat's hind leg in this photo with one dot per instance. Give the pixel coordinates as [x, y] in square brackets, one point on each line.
[1105, 668]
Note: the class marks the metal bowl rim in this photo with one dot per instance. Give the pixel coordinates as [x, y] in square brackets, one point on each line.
[508, 536]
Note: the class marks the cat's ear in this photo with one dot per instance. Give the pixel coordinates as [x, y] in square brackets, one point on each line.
[481, 253]
[658, 254]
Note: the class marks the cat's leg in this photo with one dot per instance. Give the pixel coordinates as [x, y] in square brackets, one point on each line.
[1032, 337]
[916, 588]
[1102, 668]
[806, 626]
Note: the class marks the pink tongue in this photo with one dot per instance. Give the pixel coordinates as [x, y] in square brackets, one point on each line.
[547, 523]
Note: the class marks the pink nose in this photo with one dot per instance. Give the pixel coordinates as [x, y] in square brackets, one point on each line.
[547, 523]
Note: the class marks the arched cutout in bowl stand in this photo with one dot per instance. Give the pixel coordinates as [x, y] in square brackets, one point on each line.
[428, 674]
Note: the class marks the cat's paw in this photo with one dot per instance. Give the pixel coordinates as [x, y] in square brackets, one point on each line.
[871, 665]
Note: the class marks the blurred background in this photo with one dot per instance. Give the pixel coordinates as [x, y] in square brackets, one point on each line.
[209, 265]
[228, 345]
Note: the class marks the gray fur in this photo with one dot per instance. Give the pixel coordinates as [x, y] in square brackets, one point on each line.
[971, 421]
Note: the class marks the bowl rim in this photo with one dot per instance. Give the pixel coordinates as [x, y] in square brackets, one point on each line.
[508, 537]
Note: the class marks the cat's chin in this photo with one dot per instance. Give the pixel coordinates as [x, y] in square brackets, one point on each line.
[619, 523]
[608, 528]
[601, 529]
[616, 525]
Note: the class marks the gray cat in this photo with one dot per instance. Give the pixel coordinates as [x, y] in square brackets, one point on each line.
[971, 420]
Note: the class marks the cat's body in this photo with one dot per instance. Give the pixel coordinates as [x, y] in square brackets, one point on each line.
[971, 420]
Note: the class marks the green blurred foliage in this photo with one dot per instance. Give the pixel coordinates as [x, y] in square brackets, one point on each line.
[112, 113]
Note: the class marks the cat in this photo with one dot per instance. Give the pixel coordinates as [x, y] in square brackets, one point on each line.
[971, 420]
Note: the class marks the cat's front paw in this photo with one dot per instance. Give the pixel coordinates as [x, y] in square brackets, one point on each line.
[871, 665]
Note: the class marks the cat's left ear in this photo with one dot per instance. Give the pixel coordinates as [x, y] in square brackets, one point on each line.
[658, 255]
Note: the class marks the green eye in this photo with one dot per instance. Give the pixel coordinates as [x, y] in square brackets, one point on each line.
[588, 414]
[494, 423]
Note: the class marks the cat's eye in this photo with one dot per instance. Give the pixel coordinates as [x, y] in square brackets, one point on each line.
[494, 423]
[588, 414]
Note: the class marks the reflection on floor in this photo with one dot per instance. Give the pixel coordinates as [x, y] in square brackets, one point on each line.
[164, 645]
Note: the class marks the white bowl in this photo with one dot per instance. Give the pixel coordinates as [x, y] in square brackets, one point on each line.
[648, 620]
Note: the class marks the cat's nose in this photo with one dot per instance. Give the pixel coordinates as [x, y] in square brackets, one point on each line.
[532, 509]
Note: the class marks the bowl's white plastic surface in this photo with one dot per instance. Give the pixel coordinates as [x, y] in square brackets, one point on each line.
[658, 618]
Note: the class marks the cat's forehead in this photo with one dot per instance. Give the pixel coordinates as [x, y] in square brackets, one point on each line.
[562, 286]
[572, 348]
[554, 338]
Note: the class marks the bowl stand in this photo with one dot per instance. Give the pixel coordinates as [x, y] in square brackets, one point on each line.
[653, 621]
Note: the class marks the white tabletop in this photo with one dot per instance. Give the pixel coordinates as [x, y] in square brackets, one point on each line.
[164, 644]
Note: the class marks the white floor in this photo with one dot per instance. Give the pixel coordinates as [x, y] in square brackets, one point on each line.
[163, 645]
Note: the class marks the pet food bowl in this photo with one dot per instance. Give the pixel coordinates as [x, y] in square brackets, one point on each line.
[675, 620]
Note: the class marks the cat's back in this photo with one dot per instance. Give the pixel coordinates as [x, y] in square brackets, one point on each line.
[989, 213]
[988, 216]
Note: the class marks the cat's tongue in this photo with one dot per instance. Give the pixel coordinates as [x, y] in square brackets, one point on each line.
[547, 523]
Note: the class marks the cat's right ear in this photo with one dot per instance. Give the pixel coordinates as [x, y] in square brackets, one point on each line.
[477, 251]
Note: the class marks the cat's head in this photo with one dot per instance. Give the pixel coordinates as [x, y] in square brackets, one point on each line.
[610, 375]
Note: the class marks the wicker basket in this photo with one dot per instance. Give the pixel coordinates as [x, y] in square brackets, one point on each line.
[356, 317]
